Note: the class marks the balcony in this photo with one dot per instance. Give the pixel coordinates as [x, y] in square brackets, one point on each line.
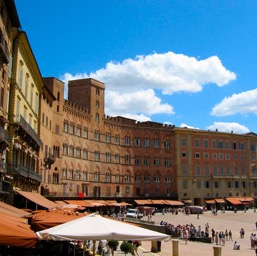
[49, 160]
[25, 172]
[26, 132]
[4, 139]
[4, 52]
[35, 176]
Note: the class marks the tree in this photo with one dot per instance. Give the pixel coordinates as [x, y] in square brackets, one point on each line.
[113, 244]
[127, 247]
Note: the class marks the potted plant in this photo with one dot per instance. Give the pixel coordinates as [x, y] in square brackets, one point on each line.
[113, 244]
[127, 247]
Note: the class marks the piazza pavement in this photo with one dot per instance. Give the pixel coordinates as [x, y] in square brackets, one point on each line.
[220, 222]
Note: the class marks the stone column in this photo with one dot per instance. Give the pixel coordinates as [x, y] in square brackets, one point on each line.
[216, 251]
[175, 251]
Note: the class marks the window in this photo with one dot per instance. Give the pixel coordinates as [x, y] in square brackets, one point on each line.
[146, 161]
[97, 135]
[137, 178]
[108, 177]
[234, 146]
[183, 142]
[97, 118]
[85, 154]
[20, 74]
[85, 133]
[207, 184]
[167, 162]
[183, 154]
[108, 137]
[198, 170]
[241, 146]
[197, 143]
[214, 155]
[207, 170]
[71, 129]
[215, 170]
[97, 104]
[78, 131]
[127, 178]
[31, 95]
[127, 141]
[108, 157]
[197, 155]
[117, 158]
[26, 86]
[65, 149]
[156, 161]
[157, 179]
[227, 156]
[65, 126]
[37, 104]
[167, 179]
[214, 143]
[96, 176]
[156, 143]
[220, 145]
[78, 152]
[221, 156]
[146, 143]
[97, 156]
[146, 179]
[71, 151]
[97, 91]
[206, 155]
[117, 139]
[167, 144]
[137, 142]
[206, 143]
[127, 159]
[137, 160]
[184, 169]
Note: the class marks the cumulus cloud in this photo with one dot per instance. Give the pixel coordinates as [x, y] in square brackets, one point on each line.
[168, 72]
[228, 127]
[188, 126]
[131, 85]
[243, 103]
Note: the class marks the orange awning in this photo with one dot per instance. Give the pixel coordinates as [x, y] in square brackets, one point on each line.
[8, 209]
[174, 202]
[234, 200]
[210, 201]
[143, 202]
[219, 200]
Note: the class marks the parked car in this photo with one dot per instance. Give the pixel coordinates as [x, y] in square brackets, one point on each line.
[134, 213]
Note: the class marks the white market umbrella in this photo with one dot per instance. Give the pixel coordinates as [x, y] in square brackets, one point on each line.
[96, 227]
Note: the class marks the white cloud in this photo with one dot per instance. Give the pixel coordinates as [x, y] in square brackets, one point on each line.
[188, 126]
[131, 84]
[228, 127]
[168, 72]
[141, 101]
[245, 102]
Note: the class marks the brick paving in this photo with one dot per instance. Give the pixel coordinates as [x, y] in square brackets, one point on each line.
[221, 222]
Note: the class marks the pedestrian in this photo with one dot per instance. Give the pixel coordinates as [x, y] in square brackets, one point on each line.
[230, 235]
[226, 234]
[197, 215]
[217, 238]
[256, 225]
[135, 247]
[242, 233]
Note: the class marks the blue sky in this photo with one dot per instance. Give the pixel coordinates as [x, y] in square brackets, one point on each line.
[187, 63]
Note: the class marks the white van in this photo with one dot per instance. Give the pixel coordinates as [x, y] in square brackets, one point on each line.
[134, 213]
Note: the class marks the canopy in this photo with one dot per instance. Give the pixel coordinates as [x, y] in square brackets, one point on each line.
[45, 219]
[96, 227]
[8, 209]
[38, 199]
[15, 233]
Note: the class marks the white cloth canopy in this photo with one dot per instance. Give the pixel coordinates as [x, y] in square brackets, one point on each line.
[96, 227]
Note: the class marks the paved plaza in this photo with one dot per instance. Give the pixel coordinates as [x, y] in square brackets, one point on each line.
[222, 221]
